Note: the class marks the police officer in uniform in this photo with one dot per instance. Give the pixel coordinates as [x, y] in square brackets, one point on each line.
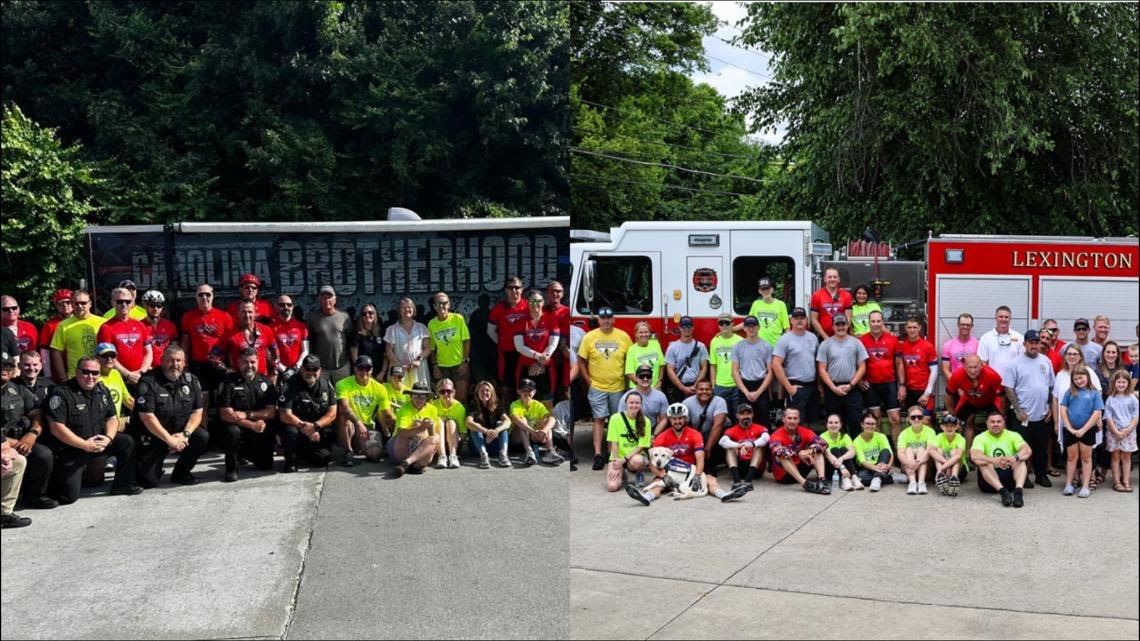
[307, 411]
[82, 418]
[23, 429]
[247, 405]
[31, 370]
[169, 419]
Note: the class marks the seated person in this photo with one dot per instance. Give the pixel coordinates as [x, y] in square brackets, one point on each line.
[629, 437]
[488, 425]
[840, 454]
[796, 451]
[914, 459]
[744, 442]
[948, 451]
[873, 455]
[416, 439]
[247, 403]
[1001, 456]
[535, 425]
[363, 412]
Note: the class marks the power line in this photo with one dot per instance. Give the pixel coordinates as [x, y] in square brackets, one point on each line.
[665, 185]
[665, 144]
[665, 165]
[732, 64]
[745, 49]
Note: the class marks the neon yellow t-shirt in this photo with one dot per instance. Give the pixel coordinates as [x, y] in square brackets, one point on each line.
[447, 339]
[77, 338]
[396, 398]
[456, 412]
[118, 388]
[868, 451]
[616, 433]
[408, 415]
[604, 355]
[839, 439]
[947, 446]
[720, 354]
[773, 319]
[138, 313]
[916, 442]
[650, 355]
[365, 399]
[1005, 445]
[532, 414]
[859, 322]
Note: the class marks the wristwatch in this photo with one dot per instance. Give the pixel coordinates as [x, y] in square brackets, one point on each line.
[186, 433]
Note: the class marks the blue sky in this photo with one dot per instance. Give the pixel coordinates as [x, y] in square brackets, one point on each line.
[733, 69]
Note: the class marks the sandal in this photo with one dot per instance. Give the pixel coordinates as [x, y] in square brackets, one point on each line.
[1053, 473]
[1128, 487]
[1119, 487]
[1097, 479]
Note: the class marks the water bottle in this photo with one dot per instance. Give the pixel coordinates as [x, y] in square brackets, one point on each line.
[835, 480]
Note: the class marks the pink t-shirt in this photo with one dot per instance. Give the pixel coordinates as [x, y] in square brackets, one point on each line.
[955, 351]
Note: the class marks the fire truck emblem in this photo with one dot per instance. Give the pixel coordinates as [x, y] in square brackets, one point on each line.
[704, 280]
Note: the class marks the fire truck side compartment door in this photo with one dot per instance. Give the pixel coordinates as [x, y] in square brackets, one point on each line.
[979, 296]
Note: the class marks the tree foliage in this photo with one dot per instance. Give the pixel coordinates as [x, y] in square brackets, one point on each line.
[1008, 118]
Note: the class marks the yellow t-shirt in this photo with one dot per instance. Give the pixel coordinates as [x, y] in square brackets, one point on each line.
[77, 338]
[118, 388]
[456, 412]
[397, 398]
[604, 355]
[532, 414]
[408, 415]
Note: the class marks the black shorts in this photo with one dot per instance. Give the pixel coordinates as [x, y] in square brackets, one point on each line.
[1088, 439]
[912, 397]
[209, 377]
[882, 395]
[967, 412]
[1004, 475]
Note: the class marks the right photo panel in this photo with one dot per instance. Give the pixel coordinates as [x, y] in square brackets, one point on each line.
[854, 320]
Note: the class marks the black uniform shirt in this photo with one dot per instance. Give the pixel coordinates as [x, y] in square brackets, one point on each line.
[241, 395]
[39, 390]
[171, 402]
[307, 404]
[84, 413]
[15, 403]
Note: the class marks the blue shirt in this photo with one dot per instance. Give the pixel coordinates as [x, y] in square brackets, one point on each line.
[1082, 406]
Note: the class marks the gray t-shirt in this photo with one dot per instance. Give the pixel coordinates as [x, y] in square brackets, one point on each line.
[1031, 379]
[329, 337]
[1092, 353]
[753, 358]
[842, 357]
[679, 352]
[653, 404]
[1121, 409]
[798, 353]
[715, 406]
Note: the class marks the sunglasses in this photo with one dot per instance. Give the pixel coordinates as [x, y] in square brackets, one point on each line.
[205, 295]
[285, 305]
[13, 308]
[123, 302]
[310, 369]
[446, 391]
[88, 372]
[442, 303]
[108, 356]
[154, 304]
[915, 417]
[84, 303]
[645, 377]
[724, 323]
[514, 287]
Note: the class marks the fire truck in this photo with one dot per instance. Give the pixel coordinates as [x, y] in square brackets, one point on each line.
[661, 271]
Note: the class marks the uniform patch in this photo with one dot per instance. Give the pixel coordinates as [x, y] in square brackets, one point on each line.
[55, 402]
[185, 389]
[264, 386]
[12, 391]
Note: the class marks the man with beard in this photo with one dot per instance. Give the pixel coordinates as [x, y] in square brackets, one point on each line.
[168, 419]
[308, 411]
[292, 340]
[247, 403]
[23, 430]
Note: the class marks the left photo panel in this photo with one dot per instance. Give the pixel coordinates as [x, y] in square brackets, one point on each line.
[285, 344]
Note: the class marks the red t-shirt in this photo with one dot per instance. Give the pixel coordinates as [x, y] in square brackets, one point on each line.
[1058, 361]
[161, 335]
[685, 447]
[27, 337]
[48, 331]
[536, 335]
[917, 358]
[741, 435]
[987, 390]
[508, 320]
[205, 331]
[290, 335]
[823, 303]
[229, 348]
[782, 439]
[130, 337]
[266, 312]
[881, 355]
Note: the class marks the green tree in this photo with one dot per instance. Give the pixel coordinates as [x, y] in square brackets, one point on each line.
[1008, 118]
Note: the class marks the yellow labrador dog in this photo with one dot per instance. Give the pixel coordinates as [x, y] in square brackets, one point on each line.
[680, 477]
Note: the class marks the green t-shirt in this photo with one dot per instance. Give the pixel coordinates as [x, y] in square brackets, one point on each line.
[720, 354]
[77, 338]
[651, 354]
[859, 313]
[365, 400]
[948, 446]
[447, 339]
[617, 433]
[839, 439]
[396, 398]
[916, 442]
[994, 446]
[138, 313]
[118, 388]
[456, 412]
[408, 414]
[532, 414]
[773, 319]
[868, 451]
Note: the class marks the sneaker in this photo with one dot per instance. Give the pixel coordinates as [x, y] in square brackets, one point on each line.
[942, 482]
[453, 461]
[911, 487]
[1084, 493]
[845, 484]
[736, 493]
[1068, 490]
[441, 462]
[504, 459]
[1006, 497]
[348, 460]
[737, 484]
[399, 470]
[552, 457]
[126, 490]
[13, 520]
[43, 503]
[876, 484]
[1028, 483]
[636, 494]
[857, 483]
[415, 468]
[922, 487]
[599, 462]
[230, 477]
[1018, 500]
[530, 459]
[289, 468]
[184, 479]
[484, 461]
[1044, 481]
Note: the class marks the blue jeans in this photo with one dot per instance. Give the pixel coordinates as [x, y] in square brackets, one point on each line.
[478, 441]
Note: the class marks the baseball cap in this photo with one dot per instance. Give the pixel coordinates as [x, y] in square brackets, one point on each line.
[644, 369]
[751, 320]
[1032, 335]
[798, 313]
[839, 319]
[396, 371]
[61, 294]
[312, 361]
[686, 321]
[6, 360]
[744, 408]
[527, 384]
[605, 312]
[724, 317]
[421, 389]
[363, 361]
[128, 283]
[105, 348]
[764, 283]
[1081, 322]
[327, 289]
[249, 278]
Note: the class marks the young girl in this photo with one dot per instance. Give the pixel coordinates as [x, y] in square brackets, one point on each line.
[1081, 408]
[873, 455]
[1121, 411]
[1110, 363]
[840, 454]
[913, 445]
[948, 452]
[861, 310]
[629, 435]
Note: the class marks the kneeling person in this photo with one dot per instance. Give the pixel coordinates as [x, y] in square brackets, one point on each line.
[535, 425]
[745, 443]
[307, 411]
[247, 402]
[796, 451]
[416, 438]
[169, 409]
[364, 415]
[1001, 456]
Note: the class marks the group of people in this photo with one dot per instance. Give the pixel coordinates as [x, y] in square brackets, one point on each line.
[255, 380]
[742, 401]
